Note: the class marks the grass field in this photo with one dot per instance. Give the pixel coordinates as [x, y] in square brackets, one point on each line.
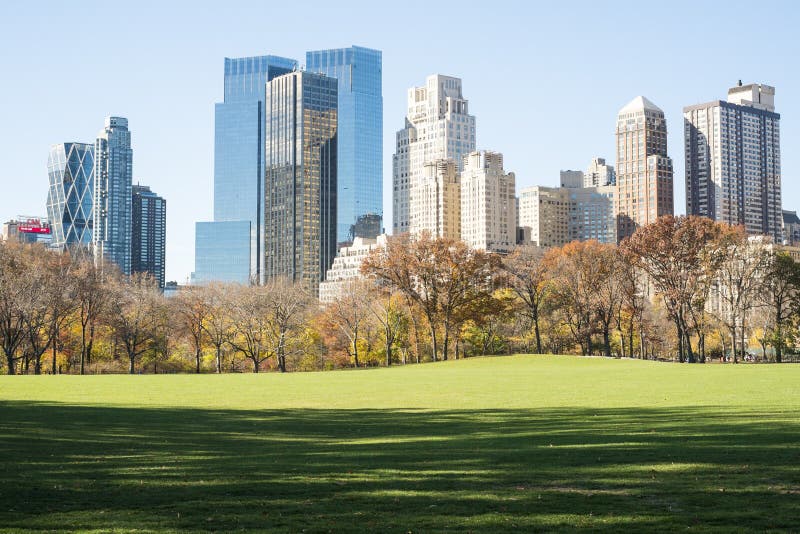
[483, 445]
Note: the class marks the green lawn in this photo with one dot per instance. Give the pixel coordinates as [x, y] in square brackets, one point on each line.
[483, 445]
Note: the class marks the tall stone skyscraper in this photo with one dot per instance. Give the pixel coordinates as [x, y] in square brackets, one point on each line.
[300, 162]
[438, 126]
[113, 173]
[644, 171]
[733, 160]
[360, 134]
[70, 206]
[229, 248]
[488, 203]
[149, 233]
[436, 200]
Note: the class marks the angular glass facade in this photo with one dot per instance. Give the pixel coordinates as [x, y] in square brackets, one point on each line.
[300, 162]
[222, 252]
[239, 162]
[360, 132]
[148, 238]
[70, 171]
[112, 194]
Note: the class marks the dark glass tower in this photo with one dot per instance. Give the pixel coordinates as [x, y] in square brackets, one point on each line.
[301, 177]
[149, 235]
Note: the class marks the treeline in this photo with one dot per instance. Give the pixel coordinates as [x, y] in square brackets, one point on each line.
[683, 288]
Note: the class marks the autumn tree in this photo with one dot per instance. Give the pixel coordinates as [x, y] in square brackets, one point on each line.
[132, 315]
[350, 313]
[780, 295]
[251, 324]
[632, 306]
[191, 311]
[218, 323]
[288, 309]
[387, 308]
[587, 289]
[92, 296]
[15, 287]
[673, 253]
[528, 275]
[740, 279]
[442, 276]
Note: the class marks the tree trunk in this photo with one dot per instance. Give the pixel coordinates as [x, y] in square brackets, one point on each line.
[219, 359]
[641, 346]
[10, 362]
[630, 342]
[197, 360]
[446, 343]
[132, 368]
[83, 351]
[606, 341]
[689, 352]
[538, 334]
[388, 351]
[255, 364]
[55, 350]
[744, 342]
[355, 349]
[434, 343]
[702, 348]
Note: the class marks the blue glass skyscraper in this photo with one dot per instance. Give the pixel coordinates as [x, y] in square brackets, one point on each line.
[70, 170]
[360, 133]
[238, 173]
[111, 235]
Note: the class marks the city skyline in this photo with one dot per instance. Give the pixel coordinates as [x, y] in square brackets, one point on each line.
[171, 99]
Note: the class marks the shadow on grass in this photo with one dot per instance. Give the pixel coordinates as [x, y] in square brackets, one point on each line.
[83, 468]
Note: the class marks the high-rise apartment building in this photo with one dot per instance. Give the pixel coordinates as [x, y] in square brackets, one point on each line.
[644, 171]
[239, 123]
[438, 127]
[544, 213]
[599, 174]
[70, 205]
[149, 233]
[436, 200]
[488, 203]
[592, 214]
[360, 132]
[733, 161]
[300, 163]
[113, 161]
[554, 216]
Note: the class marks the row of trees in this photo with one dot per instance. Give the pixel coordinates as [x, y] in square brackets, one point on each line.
[718, 289]
[682, 288]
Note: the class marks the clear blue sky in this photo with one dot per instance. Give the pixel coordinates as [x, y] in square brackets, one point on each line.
[545, 81]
